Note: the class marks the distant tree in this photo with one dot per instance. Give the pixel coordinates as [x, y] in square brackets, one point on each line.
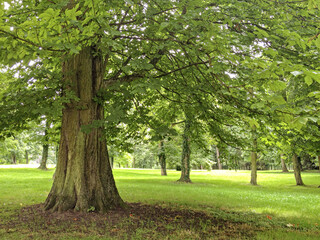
[162, 158]
[254, 157]
[186, 152]
[218, 158]
[283, 164]
[45, 147]
[297, 169]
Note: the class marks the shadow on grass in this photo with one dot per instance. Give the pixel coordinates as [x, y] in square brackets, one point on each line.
[138, 221]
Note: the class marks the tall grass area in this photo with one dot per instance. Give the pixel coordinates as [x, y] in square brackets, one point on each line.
[225, 194]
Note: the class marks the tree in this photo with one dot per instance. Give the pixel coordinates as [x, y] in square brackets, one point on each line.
[45, 147]
[283, 164]
[162, 158]
[186, 151]
[72, 187]
[297, 169]
[218, 158]
[253, 180]
[189, 48]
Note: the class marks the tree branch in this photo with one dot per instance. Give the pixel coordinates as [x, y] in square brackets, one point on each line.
[29, 42]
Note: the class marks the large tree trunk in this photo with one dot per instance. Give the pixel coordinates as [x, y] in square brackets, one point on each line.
[84, 178]
[185, 159]
[162, 158]
[283, 164]
[253, 180]
[45, 148]
[218, 159]
[297, 170]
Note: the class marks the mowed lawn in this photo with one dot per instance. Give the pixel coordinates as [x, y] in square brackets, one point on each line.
[276, 202]
[276, 195]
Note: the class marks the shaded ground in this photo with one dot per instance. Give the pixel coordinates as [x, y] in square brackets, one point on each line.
[138, 221]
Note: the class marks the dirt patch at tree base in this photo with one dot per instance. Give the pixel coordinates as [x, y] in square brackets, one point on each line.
[137, 221]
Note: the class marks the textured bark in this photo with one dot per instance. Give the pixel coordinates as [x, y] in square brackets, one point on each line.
[162, 158]
[218, 158]
[45, 148]
[57, 153]
[185, 159]
[297, 170]
[283, 164]
[253, 180]
[83, 178]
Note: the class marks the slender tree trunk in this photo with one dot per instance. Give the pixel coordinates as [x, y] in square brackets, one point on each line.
[84, 176]
[185, 159]
[297, 170]
[27, 156]
[44, 158]
[283, 164]
[14, 158]
[133, 162]
[111, 161]
[45, 148]
[162, 158]
[218, 158]
[253, 180]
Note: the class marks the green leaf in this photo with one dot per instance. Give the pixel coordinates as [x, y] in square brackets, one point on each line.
[278, 99]
[277, 85]
[253, 122]
[317, 42]
[272, 52]
[163, 25]
[263, 32]
[308, 80]
[314, 119]
[129, 2]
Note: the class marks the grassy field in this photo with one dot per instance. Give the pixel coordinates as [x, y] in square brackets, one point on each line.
[276, 209]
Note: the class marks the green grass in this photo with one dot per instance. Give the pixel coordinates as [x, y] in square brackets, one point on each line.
[285, 210]
[276, 194]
